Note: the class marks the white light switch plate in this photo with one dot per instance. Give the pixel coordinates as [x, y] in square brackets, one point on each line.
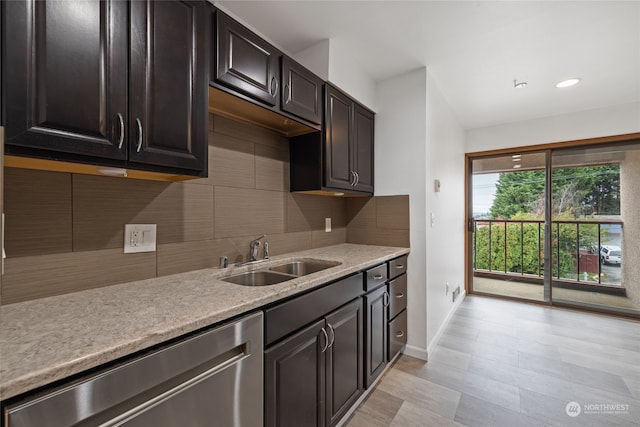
[327, 225]
[139, 238]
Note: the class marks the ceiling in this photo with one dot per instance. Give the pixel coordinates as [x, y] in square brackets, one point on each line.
[474, 50]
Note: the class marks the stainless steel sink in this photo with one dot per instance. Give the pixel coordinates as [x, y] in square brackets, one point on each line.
[304, 266]
[259, 278]
[280, 273]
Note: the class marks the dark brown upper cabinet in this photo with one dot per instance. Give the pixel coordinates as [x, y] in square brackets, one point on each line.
[340, 158]
[107, 83]
[253, 81]
[301, 91]
[245, 62]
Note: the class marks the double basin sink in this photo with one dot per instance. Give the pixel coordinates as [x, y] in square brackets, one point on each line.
[280, 273]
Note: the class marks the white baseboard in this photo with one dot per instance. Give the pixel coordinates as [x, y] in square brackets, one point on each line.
[417, 352]
[432, 345]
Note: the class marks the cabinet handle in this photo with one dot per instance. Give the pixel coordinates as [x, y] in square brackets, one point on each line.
[274, 81]
[139, 124]
[400, 295]
[326, 341]
[287, 90]
[399, 334]
[378, 276]
[386, 299]
[399, 266]
[121, 124]
[333, 335]
[352, 182]
[357, 179]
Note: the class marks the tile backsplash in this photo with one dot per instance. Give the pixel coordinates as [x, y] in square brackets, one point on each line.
[64, 232]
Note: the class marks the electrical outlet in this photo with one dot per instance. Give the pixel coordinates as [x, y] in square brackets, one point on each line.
[139, 238]
[455, 293]
[327, 225]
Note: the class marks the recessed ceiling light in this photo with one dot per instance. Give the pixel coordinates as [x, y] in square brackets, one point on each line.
[519, 85]
[568, 82]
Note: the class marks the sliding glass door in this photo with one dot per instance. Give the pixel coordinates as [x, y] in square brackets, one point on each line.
[560, 226]
[596, 227]
[507, 225]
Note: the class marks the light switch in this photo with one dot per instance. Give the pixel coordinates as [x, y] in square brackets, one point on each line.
[139, 238]
[433, 219]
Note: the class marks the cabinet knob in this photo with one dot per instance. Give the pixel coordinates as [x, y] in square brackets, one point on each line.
[399, 334]
[378, 276]
[121, 124]
[139, 124]
[399, 266]
[400, 295]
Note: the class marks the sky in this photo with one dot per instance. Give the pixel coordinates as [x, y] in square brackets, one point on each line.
[484, 191]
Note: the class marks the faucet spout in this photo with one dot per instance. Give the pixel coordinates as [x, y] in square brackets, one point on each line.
[253, 248]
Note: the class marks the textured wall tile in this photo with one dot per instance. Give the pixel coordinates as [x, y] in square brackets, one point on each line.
[390, 237]
[359, 235]
[335, 237]
[188, 256]
[247, 132]
[102, 206]
[361, 212]
[308, 212]
[393, 212]
[243, 212]
[37, 212]
[63, 273]
[232, 161]
[272, 168]
[289, 242]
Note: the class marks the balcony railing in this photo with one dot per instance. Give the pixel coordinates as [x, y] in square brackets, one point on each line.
[516, 248]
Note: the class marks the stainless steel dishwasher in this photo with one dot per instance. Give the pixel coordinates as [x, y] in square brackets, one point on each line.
[211, 379]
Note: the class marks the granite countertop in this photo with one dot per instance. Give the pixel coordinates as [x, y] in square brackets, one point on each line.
[48, 339]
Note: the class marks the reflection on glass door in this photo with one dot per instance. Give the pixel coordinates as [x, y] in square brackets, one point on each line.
[595, 230]
[508, 225]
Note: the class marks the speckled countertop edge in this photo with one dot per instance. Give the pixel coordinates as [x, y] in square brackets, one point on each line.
[49, 339]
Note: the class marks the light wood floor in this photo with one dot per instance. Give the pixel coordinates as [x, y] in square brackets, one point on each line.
[503, 363]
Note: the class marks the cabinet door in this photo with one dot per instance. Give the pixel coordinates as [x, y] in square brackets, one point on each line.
[301, 91]
[245, 62]
[295, 379]
[168, 120]
[375, 334]
[338, 171]
[344, 363]
[363, 128]
[65, 77]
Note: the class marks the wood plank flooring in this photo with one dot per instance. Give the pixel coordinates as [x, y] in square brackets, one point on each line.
[503, 363]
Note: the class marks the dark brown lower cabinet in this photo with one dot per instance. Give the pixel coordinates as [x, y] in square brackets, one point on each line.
[294, 379]
[375, 303]
[344, 361]
[313, 377]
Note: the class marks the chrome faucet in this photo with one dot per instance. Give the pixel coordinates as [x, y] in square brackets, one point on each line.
[253, 248]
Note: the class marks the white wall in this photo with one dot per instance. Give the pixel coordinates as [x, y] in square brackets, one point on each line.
[346, 73]
[400, 163]
[316, 58]
[614, 120]
[417, 141]
[445, 239]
